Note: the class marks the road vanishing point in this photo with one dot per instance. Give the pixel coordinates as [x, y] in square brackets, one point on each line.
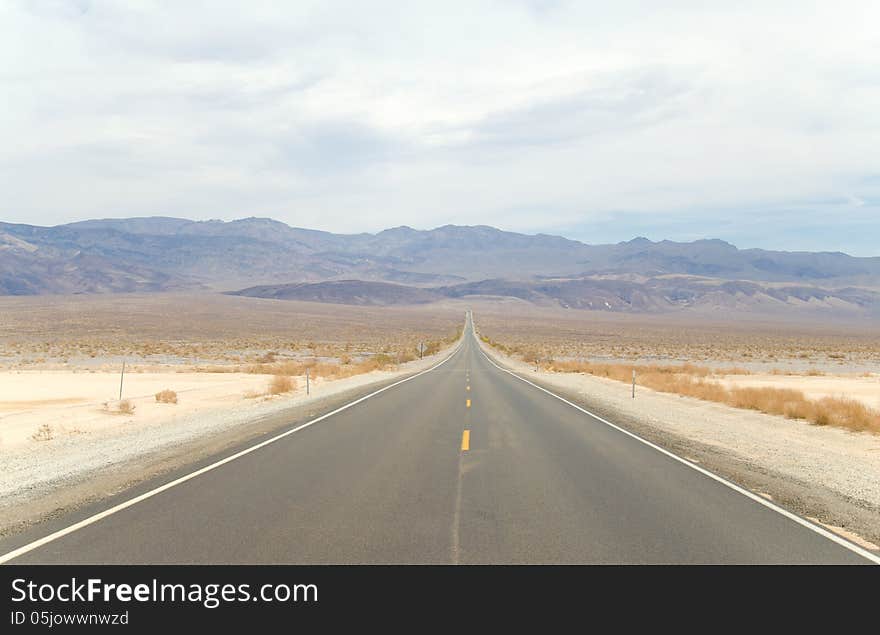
[464, 463]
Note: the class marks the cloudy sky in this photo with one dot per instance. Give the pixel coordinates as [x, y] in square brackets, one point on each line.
[758, 124]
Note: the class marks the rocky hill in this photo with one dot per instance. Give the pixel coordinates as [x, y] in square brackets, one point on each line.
[163, 254]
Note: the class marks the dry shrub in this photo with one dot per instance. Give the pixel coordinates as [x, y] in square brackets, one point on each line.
[43, 433]
[380, 361]
[847, 413]
[530, 356]
[347, 367]
[125, 407]
[623, 372]
[407, 356]
[166, 396]
[734, 371]
[770, 400]
[281, 384]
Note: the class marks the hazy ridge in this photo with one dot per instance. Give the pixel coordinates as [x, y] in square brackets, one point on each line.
[407, 266]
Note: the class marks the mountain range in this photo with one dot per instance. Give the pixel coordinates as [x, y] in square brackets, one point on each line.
[266, 258]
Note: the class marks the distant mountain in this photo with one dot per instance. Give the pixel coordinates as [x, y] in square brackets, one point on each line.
[344, 292]
[673, 292]
[160, 254]
[666, 293]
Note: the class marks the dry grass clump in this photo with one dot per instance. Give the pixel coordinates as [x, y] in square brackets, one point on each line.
[124, 407]
[281, 384]
[792, 404]
[290, 368]
[43, 433]
[346, 367]
[623, 372]
[166, 396]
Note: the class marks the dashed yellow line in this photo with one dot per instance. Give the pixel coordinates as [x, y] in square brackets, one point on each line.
[465, 440]
[468, 404]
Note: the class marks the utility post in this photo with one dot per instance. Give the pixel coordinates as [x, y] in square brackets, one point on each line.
[634, 383]
[121, 377]
[307, 381]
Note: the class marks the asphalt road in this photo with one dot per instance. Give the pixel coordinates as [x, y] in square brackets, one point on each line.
[463, 464]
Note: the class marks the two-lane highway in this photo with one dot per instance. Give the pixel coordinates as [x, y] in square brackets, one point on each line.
[465, 463]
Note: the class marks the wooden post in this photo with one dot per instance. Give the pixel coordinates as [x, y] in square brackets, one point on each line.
[307, 381]
[634, 383]
[121, 377]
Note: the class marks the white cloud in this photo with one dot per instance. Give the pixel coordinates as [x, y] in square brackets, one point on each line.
[357, 116]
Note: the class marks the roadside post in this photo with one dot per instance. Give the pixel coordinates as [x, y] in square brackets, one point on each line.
[121, 377]
[634, 383]
[307, 381]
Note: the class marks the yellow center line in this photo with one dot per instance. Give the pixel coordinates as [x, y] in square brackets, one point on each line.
[468, 404]
[465, 440]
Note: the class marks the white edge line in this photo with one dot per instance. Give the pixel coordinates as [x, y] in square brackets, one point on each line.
[758, 499]
[15, 553]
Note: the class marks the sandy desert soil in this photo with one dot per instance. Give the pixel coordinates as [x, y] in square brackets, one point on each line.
[742, 341]
[190, 330]
[72, 403]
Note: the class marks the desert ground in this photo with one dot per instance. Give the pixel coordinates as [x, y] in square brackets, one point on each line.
[824, 373]
[753, 342]
[61, 358]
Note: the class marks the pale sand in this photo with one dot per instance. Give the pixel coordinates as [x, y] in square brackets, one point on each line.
[73, 402]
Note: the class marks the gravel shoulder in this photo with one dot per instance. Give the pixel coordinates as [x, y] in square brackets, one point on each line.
[826, 474]
[45, 480]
